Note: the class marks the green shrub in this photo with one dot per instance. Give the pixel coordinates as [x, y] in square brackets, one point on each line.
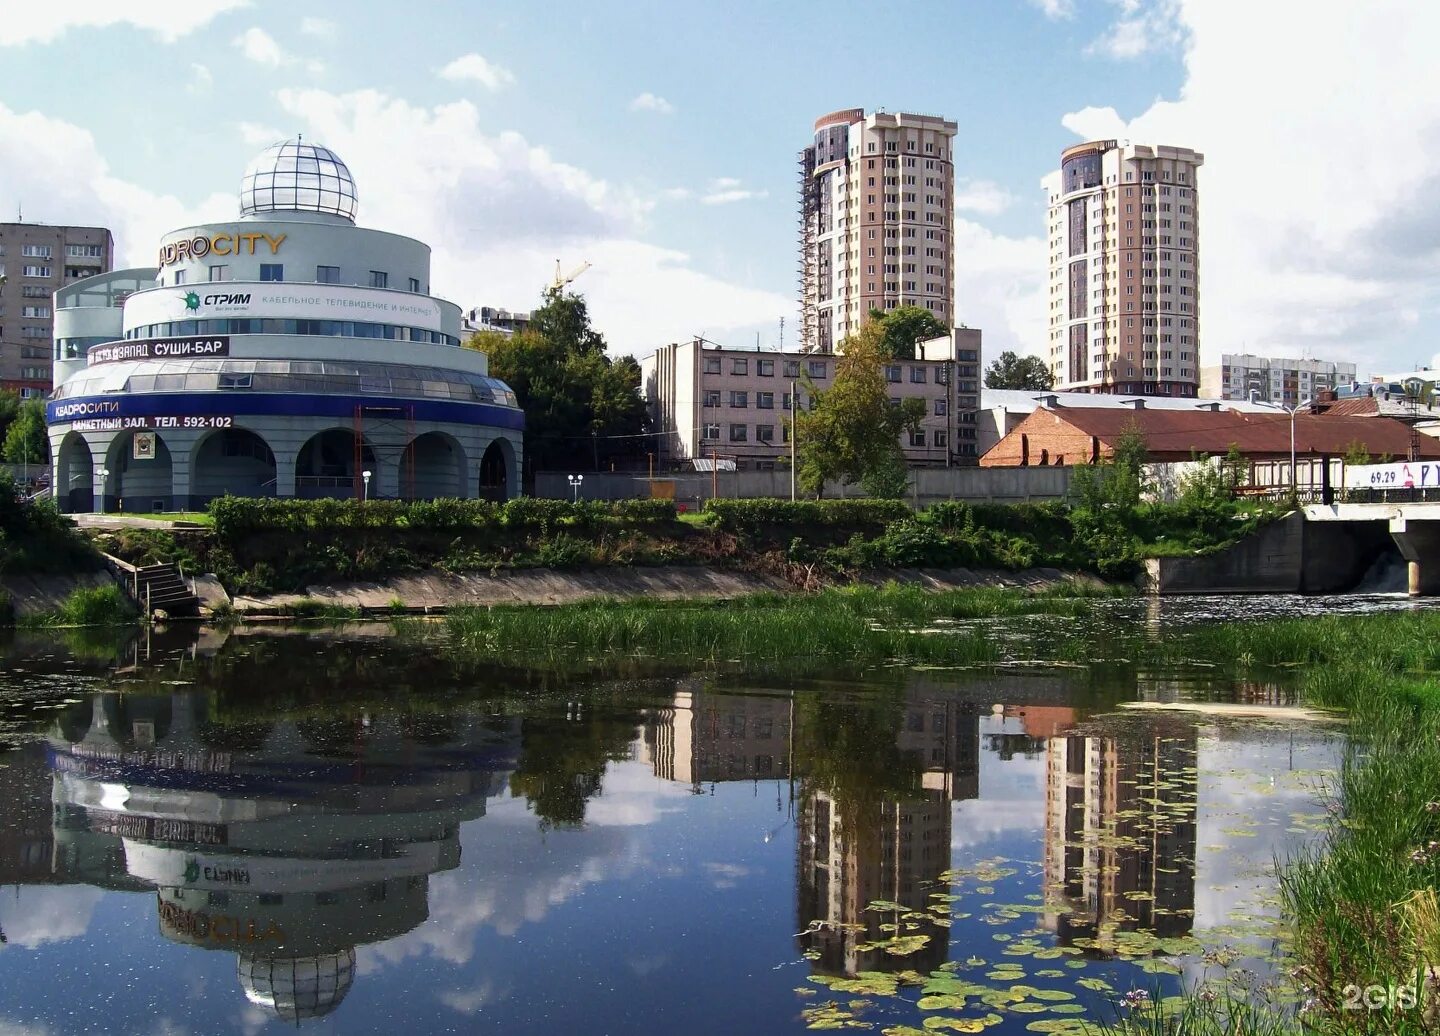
[89, 606]
[748, 517]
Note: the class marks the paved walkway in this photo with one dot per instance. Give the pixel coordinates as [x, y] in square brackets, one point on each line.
[121, 521]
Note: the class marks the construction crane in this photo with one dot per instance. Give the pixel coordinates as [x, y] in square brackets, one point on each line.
[562, 281]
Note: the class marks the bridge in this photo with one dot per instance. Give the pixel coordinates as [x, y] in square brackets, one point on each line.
[1415, 528]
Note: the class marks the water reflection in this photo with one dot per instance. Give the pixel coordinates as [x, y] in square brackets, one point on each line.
[286, 812]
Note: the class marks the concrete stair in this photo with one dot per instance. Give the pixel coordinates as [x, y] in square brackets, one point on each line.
[163, 587]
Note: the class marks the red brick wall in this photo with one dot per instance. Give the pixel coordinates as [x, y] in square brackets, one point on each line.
[1050, 436]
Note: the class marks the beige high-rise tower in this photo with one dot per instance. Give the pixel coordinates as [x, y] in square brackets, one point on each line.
[876, 221]
[1124, 290]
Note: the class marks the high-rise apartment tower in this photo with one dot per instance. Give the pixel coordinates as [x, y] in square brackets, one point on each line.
[876, 221]
[35, 261]
[1124, 288]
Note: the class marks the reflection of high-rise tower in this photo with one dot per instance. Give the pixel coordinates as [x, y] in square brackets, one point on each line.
[854, 849]
[707, 735]
[1120, 833]
[287, 843]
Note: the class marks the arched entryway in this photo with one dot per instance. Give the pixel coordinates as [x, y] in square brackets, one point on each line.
[497, 470]
[233, 461]
[75, 475]
[326, 466]
[137, 474]
[433, 467]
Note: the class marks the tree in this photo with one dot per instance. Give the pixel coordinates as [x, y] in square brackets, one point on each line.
[1026, 373]
[852, 431]
[581, 408]
[25, 439]
[9, 408]
[905, 327]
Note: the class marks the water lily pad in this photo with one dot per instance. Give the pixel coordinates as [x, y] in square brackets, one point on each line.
[1052, 995]
[1028, 1007]
[955, 1024]
[952, 1002]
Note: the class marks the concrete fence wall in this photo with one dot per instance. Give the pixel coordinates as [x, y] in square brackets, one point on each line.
[927, 485]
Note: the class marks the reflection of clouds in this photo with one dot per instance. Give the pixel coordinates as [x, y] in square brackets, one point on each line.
[1250, 778]
[512, 875]
[10, 1027]
[469, 1001]
[643, 966]
[725, 875]
[631, 797]
[253, 1018]
[37, 914]
[1012, 796]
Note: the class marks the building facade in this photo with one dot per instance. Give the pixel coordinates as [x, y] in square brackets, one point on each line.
[489, 318]
[1124, 289]
[1275, 379]
[876, 221]
[734, 404]
[36, 261]
[286, 353]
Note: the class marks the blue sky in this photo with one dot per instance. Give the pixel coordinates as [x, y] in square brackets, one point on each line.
[657, 141]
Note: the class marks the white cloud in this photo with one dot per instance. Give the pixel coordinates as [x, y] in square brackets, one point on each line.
[1056, 8]
[200, 79]
[40, 914]
[983, 196]
[498, 211]
[474, 68]
[257, 133]
[1000, 287]
[1318, 225]
[322, 28]
[260, 47]
[726, 190]
[168, 19]
[57, 170]
[1143, 26]
[648, 102]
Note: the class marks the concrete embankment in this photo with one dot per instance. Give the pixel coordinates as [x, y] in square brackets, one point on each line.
[42, 594]
[441, 591]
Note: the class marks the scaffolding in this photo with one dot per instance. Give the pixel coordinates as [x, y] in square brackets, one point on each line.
[808, 196]
[382, 420]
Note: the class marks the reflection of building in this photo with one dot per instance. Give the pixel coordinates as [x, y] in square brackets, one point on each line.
[852, 853]
[284, 353]
[1120, 833]
[288, 843]
[714, 736]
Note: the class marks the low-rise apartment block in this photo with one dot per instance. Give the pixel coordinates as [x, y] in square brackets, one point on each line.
[1273, 379]
[734, 405]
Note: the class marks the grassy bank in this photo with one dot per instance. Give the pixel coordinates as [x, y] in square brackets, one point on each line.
[260, 546]
[1363, 901]
[87, 606]
[853, 626]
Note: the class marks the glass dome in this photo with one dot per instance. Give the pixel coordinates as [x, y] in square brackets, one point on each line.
[291, 175]
[296, 988]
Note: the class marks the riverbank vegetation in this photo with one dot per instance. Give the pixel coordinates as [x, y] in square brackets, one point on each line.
[36, 538]
[86, 606]
[260, 546]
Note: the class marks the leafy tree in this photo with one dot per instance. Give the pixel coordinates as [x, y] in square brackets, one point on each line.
[1026, 373]
[904, 328]
[9, 408]
[1106, 497]
[852, 432]
[581, 408]
[25, 439]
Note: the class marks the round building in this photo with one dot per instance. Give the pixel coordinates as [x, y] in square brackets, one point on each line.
[286, 353]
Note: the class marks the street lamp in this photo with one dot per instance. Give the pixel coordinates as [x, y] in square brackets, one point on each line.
[104, 484]
[575, 481]
[366, 476]
[1293, 411]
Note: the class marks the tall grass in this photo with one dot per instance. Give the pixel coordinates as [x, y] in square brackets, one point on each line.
[87, 606]
[857, 626]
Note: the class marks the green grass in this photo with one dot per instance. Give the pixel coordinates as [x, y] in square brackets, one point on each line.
[852, 626]
[193, 517]
[88, 606]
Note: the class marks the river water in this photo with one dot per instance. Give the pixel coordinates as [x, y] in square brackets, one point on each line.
[343, 830]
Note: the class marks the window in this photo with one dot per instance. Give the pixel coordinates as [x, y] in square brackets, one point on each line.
[272, 271]
[917, 438]
[765, 400]
[892, 372]
[415, 285]
[817, 368]
[379, 279]
[327, 275]
[765, 368]
[234, 381]
[739, 400]
[785, 401]
[740, 365]
[942, 407]
[712, 397]
[34, 311]
[83, 252]
[917, 375]
[34, 373]
[35, 251]
[179, 276]
[942, 439]
[792, 369]
[739, 432]
[765, 433]
[712, 365]
[220, 273]
[712, 431]
[31, 331]
[37, 271]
